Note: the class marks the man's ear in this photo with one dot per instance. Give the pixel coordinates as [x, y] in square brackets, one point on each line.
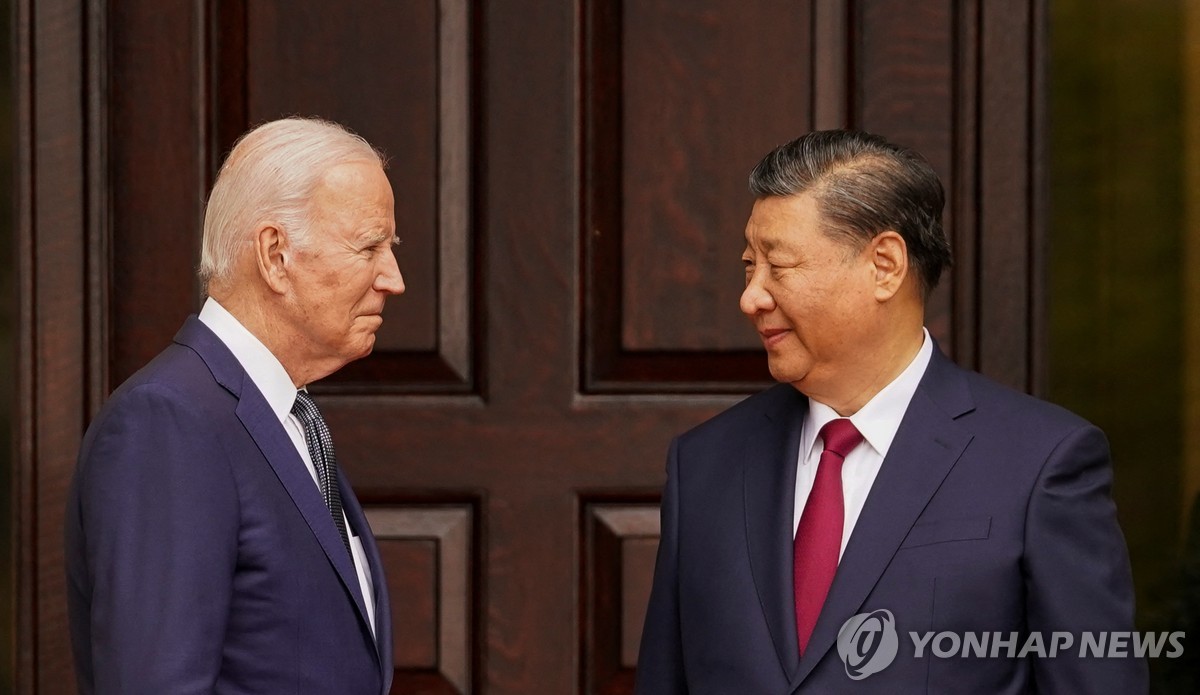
[272, 254]
[889, 254]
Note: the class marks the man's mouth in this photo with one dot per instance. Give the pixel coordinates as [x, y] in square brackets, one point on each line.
[773, 336]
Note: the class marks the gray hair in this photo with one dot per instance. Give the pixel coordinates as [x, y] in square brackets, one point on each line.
[864, 185]
[270, 175]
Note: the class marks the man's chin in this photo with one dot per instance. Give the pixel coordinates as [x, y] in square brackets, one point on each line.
[783, 372]
[368, 345]
[363, 345]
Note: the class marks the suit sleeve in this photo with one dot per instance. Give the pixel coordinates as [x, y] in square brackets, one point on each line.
[660, 660]
[158, 519]
[1078, 576]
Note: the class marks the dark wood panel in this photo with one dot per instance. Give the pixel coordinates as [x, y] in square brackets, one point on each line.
[408, 87]
[678, 106]
[699, 105]
[54, 225]
[1009, 236]
[962, 205]
[832, 38]
[440, 540]
[905, 90]
[620, 542]
[905, 57]
[157, 173]
[386, 90]
[638, 556]
[411, 567]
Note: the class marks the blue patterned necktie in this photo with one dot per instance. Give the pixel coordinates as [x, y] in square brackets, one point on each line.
[320, 449]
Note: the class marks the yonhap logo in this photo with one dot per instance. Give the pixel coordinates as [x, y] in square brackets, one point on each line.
[868, 643]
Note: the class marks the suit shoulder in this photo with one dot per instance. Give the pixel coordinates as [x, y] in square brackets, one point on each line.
[157, 422]
[176, 369]
[745, 413]
[177, 380]
[1020, 411]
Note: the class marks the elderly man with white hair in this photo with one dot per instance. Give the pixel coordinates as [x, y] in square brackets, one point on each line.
[213, 545]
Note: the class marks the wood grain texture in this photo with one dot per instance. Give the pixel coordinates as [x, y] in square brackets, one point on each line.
[408, 87]
[1006, 235]
[831, 64]
[51, 275]
[698, 106]
[411, 567]
[620, 541]
[961, 82]
[155, 172]
[906, 92]
[434, 545]
[962, 205]
[386, 89]
[678, 106]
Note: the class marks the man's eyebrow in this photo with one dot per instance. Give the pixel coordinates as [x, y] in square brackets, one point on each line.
[380, 235]
[765, 243]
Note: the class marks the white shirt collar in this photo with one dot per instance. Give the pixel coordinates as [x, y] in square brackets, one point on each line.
[879, 419]
[260, 364]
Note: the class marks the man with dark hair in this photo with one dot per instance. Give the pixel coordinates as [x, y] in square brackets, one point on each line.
[879, 490]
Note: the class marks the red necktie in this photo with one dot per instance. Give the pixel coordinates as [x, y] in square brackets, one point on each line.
[819, 534]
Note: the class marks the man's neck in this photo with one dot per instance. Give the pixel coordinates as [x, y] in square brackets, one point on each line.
[264, 326]
[890, 358]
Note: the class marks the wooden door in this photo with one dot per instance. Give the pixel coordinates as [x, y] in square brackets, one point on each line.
[570, 192]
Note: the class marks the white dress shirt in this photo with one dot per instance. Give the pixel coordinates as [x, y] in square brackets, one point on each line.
[878, 421]
[276, 386]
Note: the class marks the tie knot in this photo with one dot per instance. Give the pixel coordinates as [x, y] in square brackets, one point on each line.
[840, 436]
[305, 408]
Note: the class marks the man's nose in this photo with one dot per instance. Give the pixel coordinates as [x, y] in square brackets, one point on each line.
[755, 298]
[389, 278]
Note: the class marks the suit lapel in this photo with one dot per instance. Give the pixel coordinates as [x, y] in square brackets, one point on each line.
[268, 434]
[281, 453]
[769, 489]
[383, 609]
[927, 445]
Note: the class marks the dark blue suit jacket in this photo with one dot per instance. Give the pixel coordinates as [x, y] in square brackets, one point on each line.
[991, 513]
[200, 555]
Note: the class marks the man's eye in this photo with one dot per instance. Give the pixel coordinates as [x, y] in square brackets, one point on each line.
[379, 247]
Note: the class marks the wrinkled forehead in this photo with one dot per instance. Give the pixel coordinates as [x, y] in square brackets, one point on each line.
[353, 185]
[355, 199]
[776, 220]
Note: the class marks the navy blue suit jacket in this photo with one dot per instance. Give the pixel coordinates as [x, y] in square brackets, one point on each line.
[990, 513]
[201, 557]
